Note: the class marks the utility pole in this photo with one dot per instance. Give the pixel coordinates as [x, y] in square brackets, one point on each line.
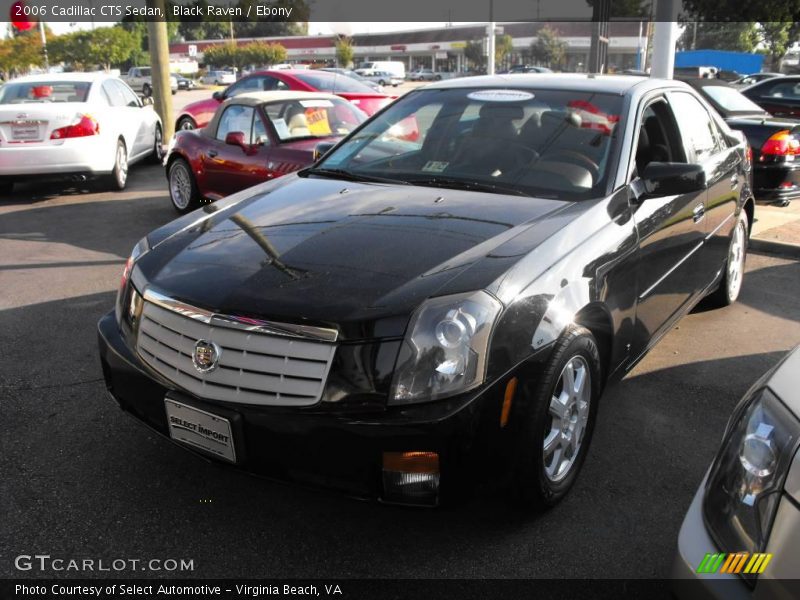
[664, 39]
[44, 47]
[490, 44]
[158, 43]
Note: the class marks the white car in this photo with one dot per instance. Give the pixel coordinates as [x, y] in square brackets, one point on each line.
[382, 78]
[74, 125]
[218, 78]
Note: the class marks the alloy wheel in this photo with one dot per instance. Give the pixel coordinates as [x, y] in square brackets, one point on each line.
[180, 186]
[122, 165]
[736, 258]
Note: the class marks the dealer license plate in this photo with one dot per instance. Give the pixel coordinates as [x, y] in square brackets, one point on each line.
[200, 429]
[26, 132]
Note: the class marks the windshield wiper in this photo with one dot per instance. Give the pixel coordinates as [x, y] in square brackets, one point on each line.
[474, 186]
[349, 176]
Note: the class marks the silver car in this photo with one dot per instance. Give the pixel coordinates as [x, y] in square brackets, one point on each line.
[741, 535]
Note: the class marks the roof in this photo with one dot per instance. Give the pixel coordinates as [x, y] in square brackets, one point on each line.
[255, 98]
[64, 77]
[612, 84]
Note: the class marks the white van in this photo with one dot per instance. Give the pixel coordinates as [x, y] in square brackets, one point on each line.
[395, 67]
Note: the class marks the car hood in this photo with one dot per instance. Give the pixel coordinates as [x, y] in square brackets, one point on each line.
[358, 257]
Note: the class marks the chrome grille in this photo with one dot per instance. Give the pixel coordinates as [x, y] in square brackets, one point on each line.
[255, 367]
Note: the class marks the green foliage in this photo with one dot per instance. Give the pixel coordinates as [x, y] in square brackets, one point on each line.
[733, 36]
[549, 49]
[503, 46]
[192, 28]
[473, 52]
[254, 53]
[626, 8]
[344, 51]
[105, 47]
[21, 52]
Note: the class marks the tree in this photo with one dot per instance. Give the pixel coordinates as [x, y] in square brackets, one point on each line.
[503, 46]
[735, 36]
[344, 51]
[549, 49]
[626, 8]
[104, 46]
[21, 52]
[261, 54]
[222, 55]
[777, 38]
[473, 52]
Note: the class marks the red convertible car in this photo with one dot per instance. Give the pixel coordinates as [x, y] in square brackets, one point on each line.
[198, 114]
[253, 138]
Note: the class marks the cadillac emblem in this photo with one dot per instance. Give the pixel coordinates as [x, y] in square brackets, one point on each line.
[205, 356]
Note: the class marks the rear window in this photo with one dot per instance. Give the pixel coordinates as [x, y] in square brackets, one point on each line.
[731, 100]
[44, 91]
[334, 83]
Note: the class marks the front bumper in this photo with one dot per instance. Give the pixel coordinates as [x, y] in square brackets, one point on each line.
[321, 446]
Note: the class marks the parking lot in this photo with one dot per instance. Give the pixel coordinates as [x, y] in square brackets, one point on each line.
[82, 480]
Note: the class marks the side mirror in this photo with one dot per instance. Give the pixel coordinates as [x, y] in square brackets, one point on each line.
[236, 138]
[148, 101]
[671, 179]
[218, 96]
[322, 149]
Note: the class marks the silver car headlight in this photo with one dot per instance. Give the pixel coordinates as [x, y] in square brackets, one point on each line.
[139, 250]
[747, 477]
[444, 351]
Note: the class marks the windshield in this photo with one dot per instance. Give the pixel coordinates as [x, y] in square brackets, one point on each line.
[731, 100]
[313, 118]
[44, 91]
[333, 83]
[547, 143]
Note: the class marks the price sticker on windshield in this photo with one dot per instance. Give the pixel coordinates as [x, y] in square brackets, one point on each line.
[500, 96]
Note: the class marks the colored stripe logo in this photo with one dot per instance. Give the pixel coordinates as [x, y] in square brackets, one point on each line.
[739, 562]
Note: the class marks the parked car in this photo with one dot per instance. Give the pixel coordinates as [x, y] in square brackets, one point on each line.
[140, 80]
[405, 319]
[528, 69]
[775, 141]
[754, 78]
[74, 125]
[353, 75]
[253, 138]
[779, 96]
[382, 78]
[218, 78]
[739, 538]
[184, 83]
[424, 75]
[197, 114]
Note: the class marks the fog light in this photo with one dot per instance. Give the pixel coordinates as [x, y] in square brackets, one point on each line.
[411, 477]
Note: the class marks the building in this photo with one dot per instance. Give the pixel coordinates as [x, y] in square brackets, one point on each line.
[443, 49]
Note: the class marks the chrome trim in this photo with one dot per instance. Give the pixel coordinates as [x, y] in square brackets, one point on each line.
[720, 226]
[237, 322]
[672, 269]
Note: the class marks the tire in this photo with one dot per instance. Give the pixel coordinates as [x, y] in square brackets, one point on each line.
[217, 83]
[158, 147]
[147, 90]
[731, 284]
[437, 78]
[118, 178]
[186, 123]
[381, 83]
[182, 186]
[544, 476]
[6, 187]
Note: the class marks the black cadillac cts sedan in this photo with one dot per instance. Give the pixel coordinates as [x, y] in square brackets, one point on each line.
[441, 299]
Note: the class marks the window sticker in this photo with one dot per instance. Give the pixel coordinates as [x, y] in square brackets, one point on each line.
[500, 96]
[316, 103]
[317, 119]
[435, 166]
[280, 128]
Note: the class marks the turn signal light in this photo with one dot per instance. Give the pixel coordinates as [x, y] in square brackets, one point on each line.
[782, 143]
[85, 126]
[411, 478]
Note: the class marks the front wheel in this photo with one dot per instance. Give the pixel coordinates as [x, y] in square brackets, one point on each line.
[186, 124]
[731, 285]
[182, 187]
[119, 176]
[158, 146]
[557, 411]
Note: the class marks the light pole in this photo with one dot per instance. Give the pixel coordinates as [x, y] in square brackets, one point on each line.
[665, 36]
[490, 43]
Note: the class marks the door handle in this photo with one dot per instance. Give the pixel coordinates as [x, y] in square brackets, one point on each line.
[698, 213]
[734, 182]
[212, 153]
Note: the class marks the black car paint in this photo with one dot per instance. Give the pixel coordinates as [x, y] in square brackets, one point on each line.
[361, 257]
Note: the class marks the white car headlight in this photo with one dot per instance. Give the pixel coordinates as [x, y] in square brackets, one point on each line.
[445, 348]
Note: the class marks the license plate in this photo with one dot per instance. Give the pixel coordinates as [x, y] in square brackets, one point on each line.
[200, 429]
[28, 132]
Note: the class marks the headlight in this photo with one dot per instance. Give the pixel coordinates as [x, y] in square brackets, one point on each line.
[747, 477]
[444, 352]
[140, 249]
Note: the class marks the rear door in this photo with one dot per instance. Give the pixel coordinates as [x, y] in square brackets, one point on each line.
[670, 233]
[706, 144]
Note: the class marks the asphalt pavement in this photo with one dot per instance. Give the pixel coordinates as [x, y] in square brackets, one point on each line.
[79, 479]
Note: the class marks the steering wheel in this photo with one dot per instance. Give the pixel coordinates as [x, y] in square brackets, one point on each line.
[521, 154]
[575, 158]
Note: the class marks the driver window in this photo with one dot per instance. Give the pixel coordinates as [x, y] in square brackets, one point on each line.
[235, 118]
[696, 126]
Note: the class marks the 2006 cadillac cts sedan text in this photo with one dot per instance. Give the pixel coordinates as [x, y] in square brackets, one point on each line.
[441, 299]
